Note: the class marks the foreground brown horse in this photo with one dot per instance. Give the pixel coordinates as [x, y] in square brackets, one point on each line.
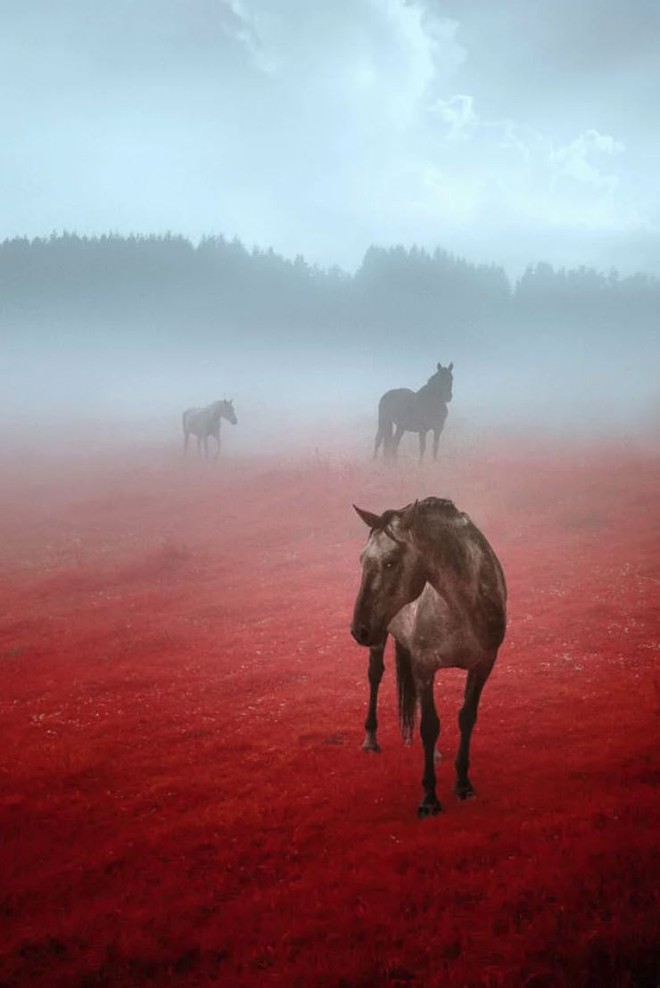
[414, 411]
[431, 580]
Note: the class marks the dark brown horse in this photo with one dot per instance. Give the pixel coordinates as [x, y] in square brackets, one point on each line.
[414, 411]
[431, 580]
[205, 422]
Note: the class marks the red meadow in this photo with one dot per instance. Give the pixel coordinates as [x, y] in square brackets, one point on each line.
[183, 796]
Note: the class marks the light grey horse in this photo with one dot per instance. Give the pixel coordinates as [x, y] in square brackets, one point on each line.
[205, 422]
[414, 411]
[431, 580]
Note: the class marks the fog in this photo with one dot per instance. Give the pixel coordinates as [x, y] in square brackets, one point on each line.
[407, 183]
[59, 388]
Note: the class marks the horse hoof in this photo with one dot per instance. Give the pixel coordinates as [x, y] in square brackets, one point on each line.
[370, 742]
[425, 810]
[465, 792]
[371, 747]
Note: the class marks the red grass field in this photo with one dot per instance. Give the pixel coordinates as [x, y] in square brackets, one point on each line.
[183, 796]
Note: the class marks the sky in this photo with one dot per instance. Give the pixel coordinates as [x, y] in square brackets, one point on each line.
[510, 132]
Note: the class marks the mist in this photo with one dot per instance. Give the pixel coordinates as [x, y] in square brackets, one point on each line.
[354, 193]
[113, 337]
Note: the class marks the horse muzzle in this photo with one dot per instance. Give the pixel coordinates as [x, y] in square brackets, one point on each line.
[365, 636]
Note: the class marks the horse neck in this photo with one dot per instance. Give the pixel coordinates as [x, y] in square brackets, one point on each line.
[445, 546]
[429, 392]
[213, 415]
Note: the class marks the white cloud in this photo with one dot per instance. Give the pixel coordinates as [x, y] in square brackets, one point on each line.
[249, 26]
[575, 159]
[474, 161]
[458, 113]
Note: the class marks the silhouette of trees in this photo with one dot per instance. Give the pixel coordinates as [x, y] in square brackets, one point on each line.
[597, 305]
[165, 286]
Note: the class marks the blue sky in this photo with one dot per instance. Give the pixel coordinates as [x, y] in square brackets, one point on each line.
[510, 131]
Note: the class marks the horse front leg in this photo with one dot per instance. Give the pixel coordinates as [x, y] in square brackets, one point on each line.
[217, 448]
[436, 441]
[467, 718]
[429, 731]
[376, 669]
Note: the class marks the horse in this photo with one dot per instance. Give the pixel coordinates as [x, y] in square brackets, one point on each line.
[431, 580]
[205, 422]
[414, 411]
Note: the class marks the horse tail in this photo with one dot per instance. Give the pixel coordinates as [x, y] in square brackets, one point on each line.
[385, 428]
[186, 431]
[406, 691]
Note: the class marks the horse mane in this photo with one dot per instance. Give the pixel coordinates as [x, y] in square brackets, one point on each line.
[438, 505]
[445, 533]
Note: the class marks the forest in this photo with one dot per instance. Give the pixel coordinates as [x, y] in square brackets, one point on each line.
[219, 288]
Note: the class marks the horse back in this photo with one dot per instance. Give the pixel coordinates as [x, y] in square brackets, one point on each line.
[393, 402]
[395, 395]
[412, 410]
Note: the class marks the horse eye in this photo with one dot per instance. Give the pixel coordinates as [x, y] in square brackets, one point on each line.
[390, 564]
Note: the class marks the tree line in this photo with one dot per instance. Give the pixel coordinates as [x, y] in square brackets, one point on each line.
[219, 289]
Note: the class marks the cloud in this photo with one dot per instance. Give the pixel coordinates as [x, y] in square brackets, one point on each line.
[573, 160]
[525, 168]
[458, 113]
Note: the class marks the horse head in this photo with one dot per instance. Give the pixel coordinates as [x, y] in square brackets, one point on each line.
[441, 383]
[393, 573]
[227, 411]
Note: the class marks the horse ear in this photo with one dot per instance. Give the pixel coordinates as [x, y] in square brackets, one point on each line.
[439, 366]
[451, 366]
[373, 521]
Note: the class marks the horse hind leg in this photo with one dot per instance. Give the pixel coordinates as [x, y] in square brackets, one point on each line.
[394, 442]
[377, 442]
[436, 441]
[422, 445]
[467, 718]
